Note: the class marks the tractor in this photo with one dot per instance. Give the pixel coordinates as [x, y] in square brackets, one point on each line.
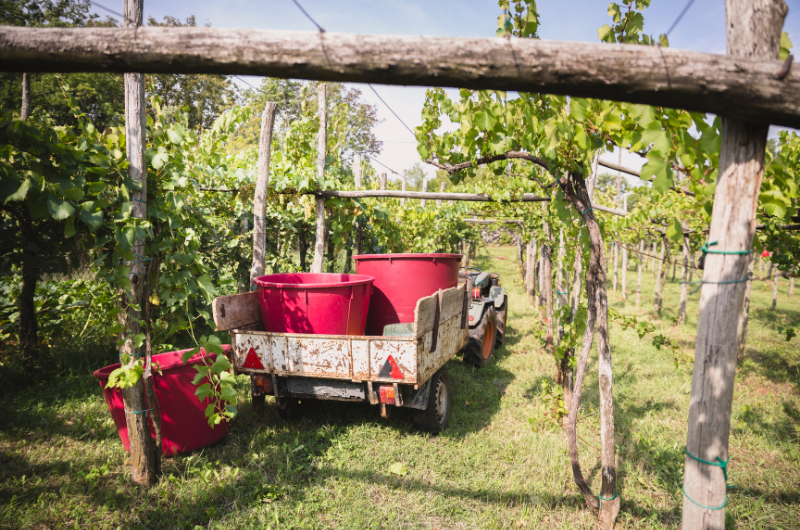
[487, 314]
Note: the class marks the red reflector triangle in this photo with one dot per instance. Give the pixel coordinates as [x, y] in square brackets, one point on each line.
[396, 373]
[252, 360]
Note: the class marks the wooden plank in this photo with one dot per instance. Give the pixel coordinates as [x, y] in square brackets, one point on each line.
[424, 314]
[236, 311]
[744, 87]
[439, 196]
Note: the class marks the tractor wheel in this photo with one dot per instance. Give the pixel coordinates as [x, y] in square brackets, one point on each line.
[482, 339]
[435, 417]
[501, 323]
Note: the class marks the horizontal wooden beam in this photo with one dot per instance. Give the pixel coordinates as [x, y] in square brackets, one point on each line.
[749, 89]
[493, 221]
[471, 197]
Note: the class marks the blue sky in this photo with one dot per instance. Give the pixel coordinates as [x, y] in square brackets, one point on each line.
[701, 29]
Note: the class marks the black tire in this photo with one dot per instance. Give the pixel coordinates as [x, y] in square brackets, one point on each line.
[291, 408]
[435, 417]
[479, 351]
[258, 401]
[501, 323]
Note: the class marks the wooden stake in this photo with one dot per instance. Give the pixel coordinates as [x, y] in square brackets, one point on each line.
[322, 150]
[684, 280]
[441, 190]
[403, 186]
[657, 291]
[616, 265]
[143, 460]
[424, 189]
[745, 315]
[260, 196]
[754, 31]
[624, 284]
[775, 290]
[664, 277]
[383, 181]
[640, 264]
[25, 111]
[359, 228]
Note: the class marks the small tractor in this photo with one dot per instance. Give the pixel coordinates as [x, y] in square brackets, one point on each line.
[487, 315]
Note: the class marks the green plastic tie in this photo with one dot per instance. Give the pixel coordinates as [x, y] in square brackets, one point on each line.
[604, 499]
[705, 250]
[138, 411]
[587, 210]
[559, 292]
[701, 282]
[134, 355]
[139, 200]
[719, 463]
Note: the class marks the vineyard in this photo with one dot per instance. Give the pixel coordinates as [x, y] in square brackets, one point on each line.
[120, 228]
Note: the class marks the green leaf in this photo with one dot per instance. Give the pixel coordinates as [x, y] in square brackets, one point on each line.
[69, 230]
[675, 230]
[96, 187]
[398, 469]
[15, 190]
[656, 135]
[657, 171]
[93, 220]
[203, 391]
[207, 288]
[59, 208]
[176, 134]
[606, 34]
[160, 158]
[229, 394]
[221, 364]
[577, 108]
[75, 194]
[485, 121]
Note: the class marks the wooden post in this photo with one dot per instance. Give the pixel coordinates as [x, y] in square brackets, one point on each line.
[547, 293]
[530, 252]
[684, 281]
[745, 314]
[653, 258]
[775, 290]
[441, 190]
[424, 189]
[754, 31]
[660, 295]
[616, 264]
[359, 228]
[791, 286]
[656, 300]
[25, 111]
[260, 197]
[383, 181]
[403, 186]
[624, 284]
[640, 264]
[322, 149]
[143, 458]
[591, 182]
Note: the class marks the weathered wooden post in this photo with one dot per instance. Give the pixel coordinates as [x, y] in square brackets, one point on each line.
[441, 190]
[322, 149]
[660, 294]
[403, 186]
[359, 228]
[383, 181]
[754, 31]
[143, 458]
[684, 281]
[260, 197]
[25, 111]
[639, 267]
[424, 188]
[624, 285]
[656, 300]
[775, 290]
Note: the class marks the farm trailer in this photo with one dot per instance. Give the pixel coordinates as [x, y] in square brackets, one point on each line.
[403, 368]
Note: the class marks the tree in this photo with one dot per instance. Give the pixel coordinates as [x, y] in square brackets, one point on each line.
[204, 96]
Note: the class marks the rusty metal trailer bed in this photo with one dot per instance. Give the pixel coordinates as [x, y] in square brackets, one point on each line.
[404, 369]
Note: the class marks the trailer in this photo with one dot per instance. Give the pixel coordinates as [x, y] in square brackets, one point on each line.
[406, 367]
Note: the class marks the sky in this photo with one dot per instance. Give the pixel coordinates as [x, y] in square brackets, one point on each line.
[702, 29]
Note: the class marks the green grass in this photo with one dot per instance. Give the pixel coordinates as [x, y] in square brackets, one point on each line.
[502, 463]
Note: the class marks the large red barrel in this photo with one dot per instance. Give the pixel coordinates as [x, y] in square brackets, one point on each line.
[184, 426]
[401, 280]
[322, 304]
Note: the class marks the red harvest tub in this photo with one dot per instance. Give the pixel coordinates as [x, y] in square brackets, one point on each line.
[401, 280]
[321, 304]
[184, 426]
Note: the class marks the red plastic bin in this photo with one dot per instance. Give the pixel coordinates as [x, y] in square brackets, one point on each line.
[321, 304]
[401, 280]
[184, 426]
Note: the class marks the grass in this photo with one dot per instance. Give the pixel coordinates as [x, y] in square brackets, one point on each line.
[502, 463]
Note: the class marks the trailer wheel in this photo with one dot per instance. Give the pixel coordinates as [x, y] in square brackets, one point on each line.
[258, 401]
[290, 408]
[434, 418]
[482, 338]
[501, 322]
